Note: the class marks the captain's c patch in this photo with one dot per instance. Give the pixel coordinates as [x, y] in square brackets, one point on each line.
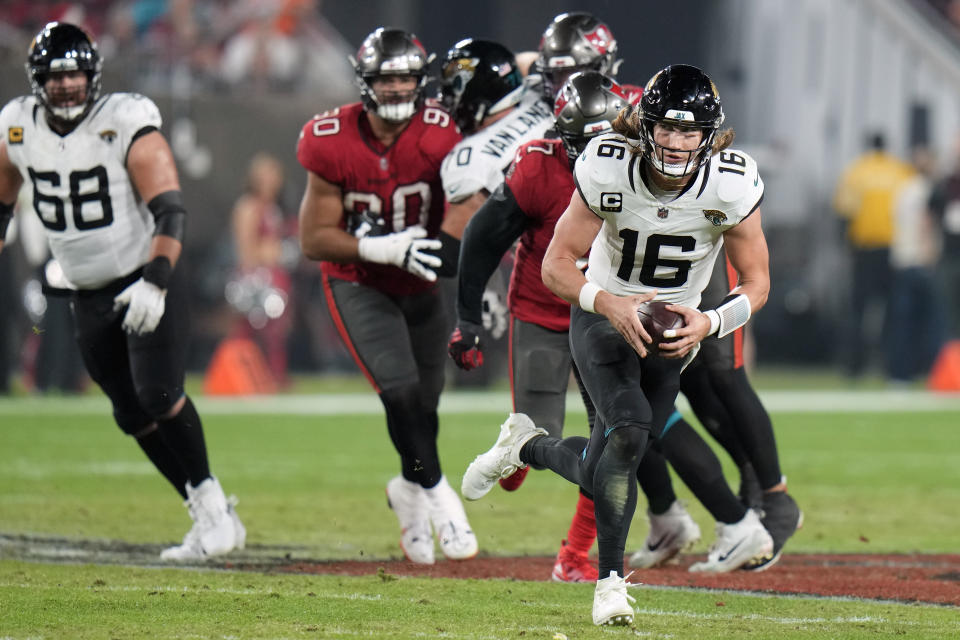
[15, 135]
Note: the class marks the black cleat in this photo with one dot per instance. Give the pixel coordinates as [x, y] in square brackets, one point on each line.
[781, 517]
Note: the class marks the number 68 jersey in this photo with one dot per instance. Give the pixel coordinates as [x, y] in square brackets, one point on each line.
[645, 244]
[96, 228]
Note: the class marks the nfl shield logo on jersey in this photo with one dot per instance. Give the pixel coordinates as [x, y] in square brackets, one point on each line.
[715, 216]
[662, 213]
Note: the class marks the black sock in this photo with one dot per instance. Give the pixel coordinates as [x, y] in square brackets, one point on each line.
[561, 456]
[166, 462]
[183, 434]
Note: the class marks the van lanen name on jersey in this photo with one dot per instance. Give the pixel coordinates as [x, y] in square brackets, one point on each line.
[509, 134]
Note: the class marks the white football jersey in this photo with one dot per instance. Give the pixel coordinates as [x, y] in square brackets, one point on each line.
[645, 244]
[479, 161]
[96, 228]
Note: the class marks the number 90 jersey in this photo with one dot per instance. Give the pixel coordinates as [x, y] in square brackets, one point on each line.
[391, 187]
[646, 244]
[96, 228]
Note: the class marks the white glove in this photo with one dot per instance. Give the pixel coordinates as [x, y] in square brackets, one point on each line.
[405, 250]
[145, 305]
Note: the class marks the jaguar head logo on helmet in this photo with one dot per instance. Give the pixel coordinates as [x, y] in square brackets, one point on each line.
[391, 67]
[585, 107]
[680, 99]
[574, 41]
[479, 78]
[64, 69]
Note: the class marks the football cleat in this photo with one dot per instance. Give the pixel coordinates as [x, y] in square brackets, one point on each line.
[782, 518]
[456, 538]
[611, 602]
[213, 532]
[736, 545]
[571, 566]
[670, 533]
[502, 460]
[409, 503]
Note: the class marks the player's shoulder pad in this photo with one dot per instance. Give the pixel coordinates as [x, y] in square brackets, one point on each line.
[128, 111]
[603, 162]
[735, 177]
[442, 134]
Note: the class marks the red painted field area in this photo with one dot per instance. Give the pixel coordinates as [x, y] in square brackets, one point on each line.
[906, 578]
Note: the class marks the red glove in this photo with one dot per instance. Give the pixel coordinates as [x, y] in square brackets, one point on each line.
[465, 347]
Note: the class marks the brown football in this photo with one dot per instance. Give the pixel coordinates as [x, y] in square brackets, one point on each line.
[656, 319]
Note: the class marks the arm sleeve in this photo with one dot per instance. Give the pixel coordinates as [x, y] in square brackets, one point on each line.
[494, 227]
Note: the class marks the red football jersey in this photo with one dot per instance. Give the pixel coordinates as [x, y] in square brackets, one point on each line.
[542, 183]
[399, 186]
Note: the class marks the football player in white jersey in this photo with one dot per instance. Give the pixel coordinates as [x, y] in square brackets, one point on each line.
[653, 205]
[106, 189]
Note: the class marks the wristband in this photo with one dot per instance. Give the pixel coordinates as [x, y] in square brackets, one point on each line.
[158, 272]
[714, 321]
[588, 294]
[732, 313]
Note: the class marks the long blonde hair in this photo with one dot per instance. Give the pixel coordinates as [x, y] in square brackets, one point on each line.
[629, 125]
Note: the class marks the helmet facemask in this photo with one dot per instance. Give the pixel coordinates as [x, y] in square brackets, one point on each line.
[655, 153]
[391, 105]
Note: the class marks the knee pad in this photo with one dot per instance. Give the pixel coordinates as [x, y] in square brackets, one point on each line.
[628, 442]
[157, 401]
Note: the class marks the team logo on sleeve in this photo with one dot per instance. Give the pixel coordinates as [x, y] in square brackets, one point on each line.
[611, 202]
[108, 135]
[15, 135]
[715, 216]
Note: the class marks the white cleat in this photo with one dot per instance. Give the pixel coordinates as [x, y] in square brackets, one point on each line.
[670, 533]
[611, 602]
[450, 523]
[213, 532]
[736, 545]
[409, 503]
[502, 460]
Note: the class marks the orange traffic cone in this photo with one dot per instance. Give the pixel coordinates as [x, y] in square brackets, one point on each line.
[238, 368]
[945, 375]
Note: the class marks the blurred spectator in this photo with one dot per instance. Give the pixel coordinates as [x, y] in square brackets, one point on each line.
[261, 287]
[864, 200]
[945, 208]
[917, 323]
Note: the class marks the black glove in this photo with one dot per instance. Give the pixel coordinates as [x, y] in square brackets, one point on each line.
[465, 347]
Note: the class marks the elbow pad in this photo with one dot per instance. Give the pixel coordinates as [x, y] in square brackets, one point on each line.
[170, 215]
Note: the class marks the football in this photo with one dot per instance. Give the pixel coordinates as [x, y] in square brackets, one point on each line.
[656, 319]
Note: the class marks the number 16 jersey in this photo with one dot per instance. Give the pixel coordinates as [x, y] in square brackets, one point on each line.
[96, 228]
[646, 244]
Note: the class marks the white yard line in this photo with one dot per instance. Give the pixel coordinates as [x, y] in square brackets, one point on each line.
[484, 401]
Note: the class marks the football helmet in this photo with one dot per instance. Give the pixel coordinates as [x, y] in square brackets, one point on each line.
[479, 78]
[585, 107]
[63, 47]
[391, 52]
[575, 41]
[679, 95]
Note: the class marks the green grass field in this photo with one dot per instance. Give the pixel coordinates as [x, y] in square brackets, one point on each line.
[881, 475]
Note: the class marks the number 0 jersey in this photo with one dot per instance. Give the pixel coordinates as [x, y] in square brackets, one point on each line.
[393, 187]
[480, 160]
[646, 244]
[96, 228]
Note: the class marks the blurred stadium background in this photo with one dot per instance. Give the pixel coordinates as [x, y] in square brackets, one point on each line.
[803, 83]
